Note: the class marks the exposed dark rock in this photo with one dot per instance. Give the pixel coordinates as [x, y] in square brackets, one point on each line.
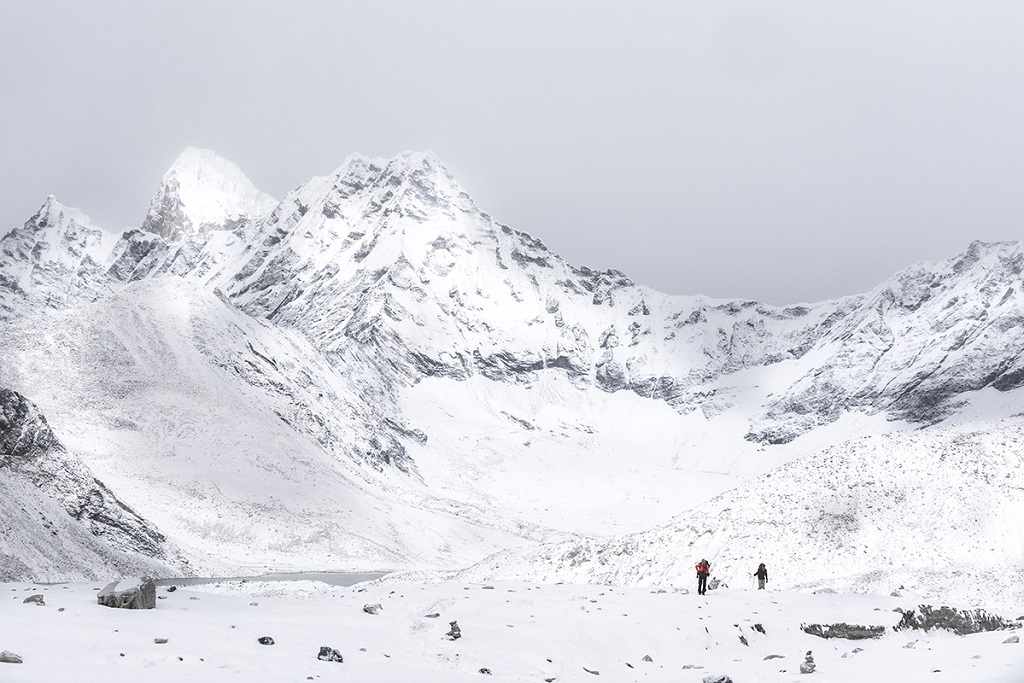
[265, 640]
[37, 599]
[485, 670]
[596, 673]
[329, 654]
[961, 622]
[807, 666]
[647, 658]
[716, 678]
[8, 657]
[1012, 639]
[774, 657]
[375, 608]
[435, 615]
[160, 641]
[843, 630]
[129, 594]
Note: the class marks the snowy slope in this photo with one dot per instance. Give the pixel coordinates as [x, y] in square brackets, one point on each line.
[58, 520]
[935, 510]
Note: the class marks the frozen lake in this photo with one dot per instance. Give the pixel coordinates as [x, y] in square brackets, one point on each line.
[332, 578]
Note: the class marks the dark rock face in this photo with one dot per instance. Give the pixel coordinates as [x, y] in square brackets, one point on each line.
[329, 654]
[37, 599]
[31, 455]
[375, 608]
[265, 640]
[961, 622]
[129, 594]
[843, 630]
[8, 657]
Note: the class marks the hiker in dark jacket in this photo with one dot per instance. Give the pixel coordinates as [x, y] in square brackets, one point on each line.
[703, 569]
[762, 576]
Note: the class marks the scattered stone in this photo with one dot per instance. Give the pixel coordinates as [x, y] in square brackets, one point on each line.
[160, 641]
[647, 658]
[193, 598]
[773, 657]
[717, 678]
[8, 657]
[375, 608]
[254, 604]
[693, 666]
[910, 645]
[807, 666]
[171, 589]
[547, 680]
[455, 632]
[824, 591]
[960, 622]
[842, 630]
[485, 670]
[629, 665]
[122, 654]
[265, 640]
[488, 588]
[759, 628]
[596, 673]
[37, 599]
[60, 609]
[1012, 639]
[161, 597]
[743, 639]
[857, 649]
[329, 654]
[131, 593]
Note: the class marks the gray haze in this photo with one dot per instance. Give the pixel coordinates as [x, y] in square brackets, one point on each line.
[778, 151]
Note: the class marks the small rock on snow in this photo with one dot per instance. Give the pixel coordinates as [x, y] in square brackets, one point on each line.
[265, 640]
[8, 657]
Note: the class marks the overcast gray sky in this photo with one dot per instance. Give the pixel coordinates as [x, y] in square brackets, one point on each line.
[784, 151]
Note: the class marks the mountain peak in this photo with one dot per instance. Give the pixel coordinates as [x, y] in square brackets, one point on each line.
[53, 213]
[203, 191]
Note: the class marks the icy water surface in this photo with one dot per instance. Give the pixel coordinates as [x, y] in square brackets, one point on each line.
[332, 578]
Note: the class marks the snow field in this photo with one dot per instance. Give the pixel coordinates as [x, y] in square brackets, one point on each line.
[511, 628]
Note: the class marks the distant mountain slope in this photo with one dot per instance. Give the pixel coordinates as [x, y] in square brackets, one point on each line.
[60, 522]
[937, 511]
[374, 372]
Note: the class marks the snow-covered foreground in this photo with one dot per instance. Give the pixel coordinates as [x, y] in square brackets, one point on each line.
[516, 631]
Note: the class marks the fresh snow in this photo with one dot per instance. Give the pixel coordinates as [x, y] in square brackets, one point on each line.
[517, 631]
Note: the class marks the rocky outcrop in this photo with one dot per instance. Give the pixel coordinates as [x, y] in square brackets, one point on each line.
[844, 631]
[61, 521]
[960, 622]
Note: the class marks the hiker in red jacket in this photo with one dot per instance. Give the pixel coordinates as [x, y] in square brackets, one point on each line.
[703, 569]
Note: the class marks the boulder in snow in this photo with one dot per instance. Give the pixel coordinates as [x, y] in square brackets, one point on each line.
[37, 599]
[131, 593]
[375, 608]
[8, 657]
[329, 654]
[455, 632]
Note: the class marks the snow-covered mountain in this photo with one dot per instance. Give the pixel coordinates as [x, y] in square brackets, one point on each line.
[434, 369]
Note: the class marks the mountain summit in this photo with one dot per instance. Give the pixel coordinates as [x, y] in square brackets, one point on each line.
[200, 192]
